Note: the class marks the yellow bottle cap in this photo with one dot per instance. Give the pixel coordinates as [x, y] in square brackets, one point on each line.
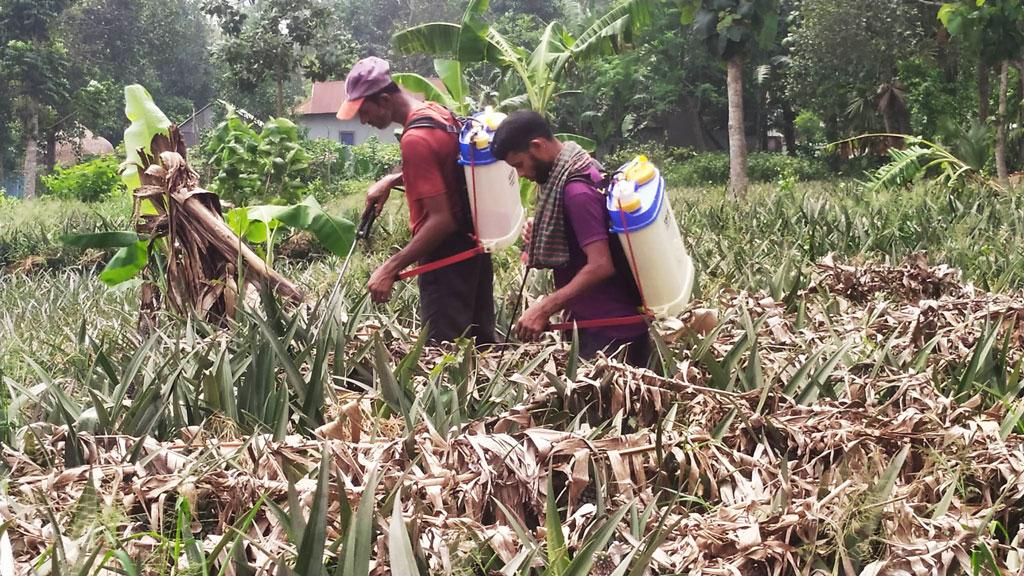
[630, 203]
[492, 119]
[641, 172]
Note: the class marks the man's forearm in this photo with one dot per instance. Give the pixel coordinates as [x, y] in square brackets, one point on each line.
[431, 236]
[587, 279]
[394, 179]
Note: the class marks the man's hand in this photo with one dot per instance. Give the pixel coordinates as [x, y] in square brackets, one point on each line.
[377, 195]
[533, 322]
[527, 237]
[381, 282]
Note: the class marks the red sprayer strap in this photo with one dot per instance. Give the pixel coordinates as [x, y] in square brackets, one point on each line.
[600, 323]
[437, 264]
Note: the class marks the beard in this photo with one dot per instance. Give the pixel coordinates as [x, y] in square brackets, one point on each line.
[542, 170]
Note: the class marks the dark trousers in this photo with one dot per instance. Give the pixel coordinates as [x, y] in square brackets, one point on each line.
[458, 300]
[638, 348]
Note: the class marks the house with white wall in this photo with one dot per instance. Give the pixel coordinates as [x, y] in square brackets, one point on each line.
[318, 115]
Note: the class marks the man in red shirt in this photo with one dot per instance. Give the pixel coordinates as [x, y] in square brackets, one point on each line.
[456, 300]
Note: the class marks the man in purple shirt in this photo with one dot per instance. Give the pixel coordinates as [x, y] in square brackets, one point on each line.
[592, 277]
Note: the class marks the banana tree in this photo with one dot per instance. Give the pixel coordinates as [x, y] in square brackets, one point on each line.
[456, 94]
[540, 72]
[183, 238]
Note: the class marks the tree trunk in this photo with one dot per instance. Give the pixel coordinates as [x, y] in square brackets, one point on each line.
[1020, 113]
[762, 122]
[983, 92]
[1001, 172]
[789, 128]
[31, 165]
[737, 131]
[51, 152]
[280, 97]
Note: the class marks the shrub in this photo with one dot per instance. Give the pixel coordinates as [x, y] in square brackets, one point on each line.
[658, 153]
[809, 128]
[257, 167]
[90, 181]
[331, 161]
[326, 162]
[324, 191]
[713, 168]
[371, 159]
[769, 167]
[704, 168]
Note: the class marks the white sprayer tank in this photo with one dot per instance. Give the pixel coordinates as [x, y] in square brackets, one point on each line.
[641, 216]
[493, 185]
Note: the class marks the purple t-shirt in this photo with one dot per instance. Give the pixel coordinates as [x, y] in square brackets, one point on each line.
[586, 222]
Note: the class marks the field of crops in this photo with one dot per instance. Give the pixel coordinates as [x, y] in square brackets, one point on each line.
[842, 397]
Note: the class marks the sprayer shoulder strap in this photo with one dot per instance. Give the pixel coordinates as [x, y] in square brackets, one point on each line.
[430, 122]
[427, 121]
[452, 128]
[600, 185]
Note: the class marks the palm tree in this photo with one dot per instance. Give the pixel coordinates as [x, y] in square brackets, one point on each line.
[730, 28]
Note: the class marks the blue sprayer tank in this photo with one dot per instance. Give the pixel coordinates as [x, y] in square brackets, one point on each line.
[493, 185]
[640, 214]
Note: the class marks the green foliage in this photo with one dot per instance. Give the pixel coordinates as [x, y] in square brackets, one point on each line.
[539, 72]
[972, 143]
[658, 153]
[713, 168]
[340, 170]
[257, 166]
[995, 25]
[37, 72]
[809, 128]
[112, 44]
[330, 160]
[276, 39]
[147, 120]
[732, 27]
[636, 92]
[260, 225]
[34, 81]
[127, 263]
[919, 159]
[843, 51]
[934, 99]
[90, 181]
[369, 160]
[456, 94]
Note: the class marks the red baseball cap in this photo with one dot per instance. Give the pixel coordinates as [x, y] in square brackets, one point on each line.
[369, 76]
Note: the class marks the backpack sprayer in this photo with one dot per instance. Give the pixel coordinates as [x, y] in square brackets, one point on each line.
[642, 221]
